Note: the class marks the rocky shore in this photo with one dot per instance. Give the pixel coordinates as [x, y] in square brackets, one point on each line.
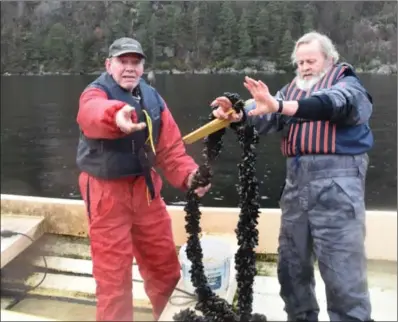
[375, 67]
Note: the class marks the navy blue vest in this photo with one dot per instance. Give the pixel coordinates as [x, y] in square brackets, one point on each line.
[118, 158]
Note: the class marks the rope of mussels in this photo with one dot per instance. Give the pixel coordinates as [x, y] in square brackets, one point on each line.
[211, 305]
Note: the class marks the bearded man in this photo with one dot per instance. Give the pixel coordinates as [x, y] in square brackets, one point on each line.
[323, 114]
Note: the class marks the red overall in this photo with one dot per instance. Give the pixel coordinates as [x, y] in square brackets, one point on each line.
[122, 223]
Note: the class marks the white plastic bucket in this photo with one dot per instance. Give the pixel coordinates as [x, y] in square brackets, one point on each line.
[217, 257]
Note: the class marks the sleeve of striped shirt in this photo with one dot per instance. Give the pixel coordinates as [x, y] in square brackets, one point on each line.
[351, 103]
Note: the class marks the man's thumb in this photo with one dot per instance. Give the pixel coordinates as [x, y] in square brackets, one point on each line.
[141, 126]
[127, 108]
[254, 112]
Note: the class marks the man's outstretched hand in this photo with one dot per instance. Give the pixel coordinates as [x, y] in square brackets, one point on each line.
[265, 102]
[124, 122]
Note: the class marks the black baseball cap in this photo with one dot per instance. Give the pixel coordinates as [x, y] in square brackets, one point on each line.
[125, 45]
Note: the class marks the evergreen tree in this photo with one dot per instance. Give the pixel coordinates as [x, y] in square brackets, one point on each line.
[262, 37]
[227, 30]
[245, 44]
[285, 50]
[54, 36]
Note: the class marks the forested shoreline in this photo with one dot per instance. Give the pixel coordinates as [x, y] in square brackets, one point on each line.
[50, 37]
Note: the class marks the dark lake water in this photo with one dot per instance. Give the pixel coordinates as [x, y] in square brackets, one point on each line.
[39, 137]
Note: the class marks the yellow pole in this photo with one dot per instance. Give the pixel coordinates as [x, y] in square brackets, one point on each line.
[209, 128]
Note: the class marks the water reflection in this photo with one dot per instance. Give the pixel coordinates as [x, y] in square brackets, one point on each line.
[39, 137]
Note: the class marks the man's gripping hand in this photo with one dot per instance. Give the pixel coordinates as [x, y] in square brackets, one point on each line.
[200, 191]
[222, 108]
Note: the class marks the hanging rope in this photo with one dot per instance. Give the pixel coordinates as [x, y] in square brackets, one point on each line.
[212, 306]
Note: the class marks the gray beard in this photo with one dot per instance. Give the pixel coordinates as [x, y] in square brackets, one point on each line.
[307, 84]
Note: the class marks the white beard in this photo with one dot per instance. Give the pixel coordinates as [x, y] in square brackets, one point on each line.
[307, 84]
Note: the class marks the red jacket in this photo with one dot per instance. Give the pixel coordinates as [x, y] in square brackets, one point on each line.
[96, 118]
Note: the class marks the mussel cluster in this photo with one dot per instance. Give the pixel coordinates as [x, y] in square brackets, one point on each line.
[212, 306]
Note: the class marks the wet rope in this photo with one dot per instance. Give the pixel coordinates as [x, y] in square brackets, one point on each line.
[211, 305]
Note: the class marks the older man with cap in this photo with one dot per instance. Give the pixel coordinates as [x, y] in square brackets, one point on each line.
[127, 130]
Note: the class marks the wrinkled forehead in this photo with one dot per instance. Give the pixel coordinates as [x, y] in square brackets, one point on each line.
[311, 50]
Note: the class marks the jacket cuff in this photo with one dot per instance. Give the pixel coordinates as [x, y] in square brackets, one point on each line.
[185, 186]
[111, 114]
